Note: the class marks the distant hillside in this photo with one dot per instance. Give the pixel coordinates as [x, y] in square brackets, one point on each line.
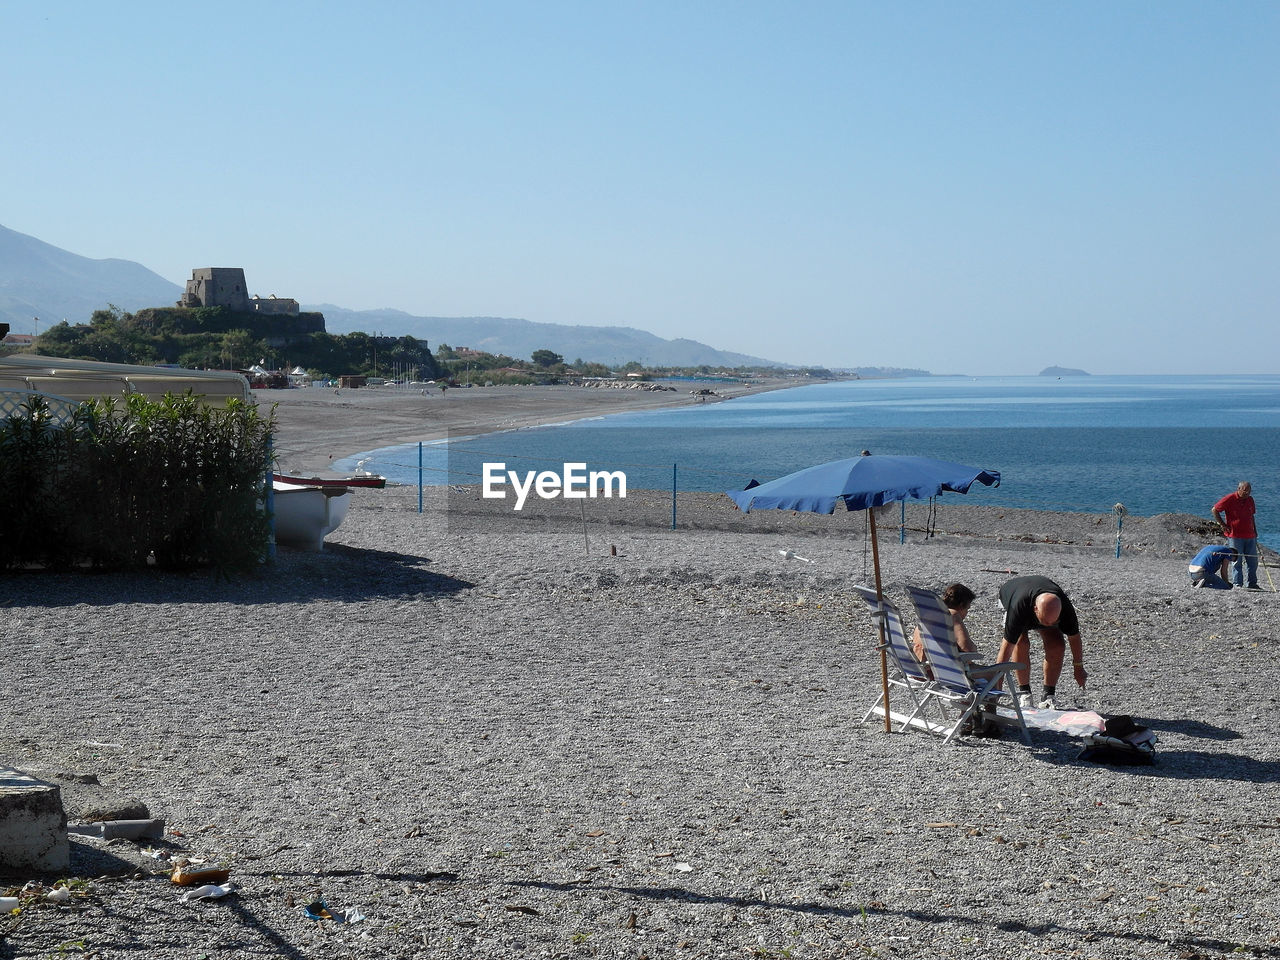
[519, 338]
[1062, 372]
[40, 280]
[884, 373]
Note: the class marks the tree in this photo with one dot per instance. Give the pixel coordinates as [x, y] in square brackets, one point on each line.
[546, 358]
[238, 349]
[110, 319]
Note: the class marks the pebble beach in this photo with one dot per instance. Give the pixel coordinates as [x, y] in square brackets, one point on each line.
[319, 425]
[581, 733]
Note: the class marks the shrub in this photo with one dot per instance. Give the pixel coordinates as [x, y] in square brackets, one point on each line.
[34, 459]
[122, 483]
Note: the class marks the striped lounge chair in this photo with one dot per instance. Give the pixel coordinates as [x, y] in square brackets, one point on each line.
[961, 686]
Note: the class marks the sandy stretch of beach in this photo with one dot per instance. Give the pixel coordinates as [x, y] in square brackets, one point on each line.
[581, 733]
[317, 426]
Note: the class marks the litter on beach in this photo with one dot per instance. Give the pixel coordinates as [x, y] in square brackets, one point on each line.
[209, 891]
[150, 829]
[319, 910]
[792, 555]
[195, 874]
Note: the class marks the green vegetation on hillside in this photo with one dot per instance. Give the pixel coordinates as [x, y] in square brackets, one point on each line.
[217, 338]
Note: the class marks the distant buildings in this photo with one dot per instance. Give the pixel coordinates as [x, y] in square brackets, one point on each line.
[226, 287]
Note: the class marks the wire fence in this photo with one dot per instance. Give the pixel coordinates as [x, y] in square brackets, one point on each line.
[685, 478]
[456, 464]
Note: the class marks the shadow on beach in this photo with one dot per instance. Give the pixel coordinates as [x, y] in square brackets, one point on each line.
[1194, 728]
[1061, 749]
[87, 860]
[861, 912]
[340, 572]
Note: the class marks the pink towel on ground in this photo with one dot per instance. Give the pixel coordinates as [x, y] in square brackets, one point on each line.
[1079, 723]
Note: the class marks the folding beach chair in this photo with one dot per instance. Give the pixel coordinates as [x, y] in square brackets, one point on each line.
[958, 682]
[906, 672]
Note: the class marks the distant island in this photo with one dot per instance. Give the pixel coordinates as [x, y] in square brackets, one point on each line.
[1063, 372]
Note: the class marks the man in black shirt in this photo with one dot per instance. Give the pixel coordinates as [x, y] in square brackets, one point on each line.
[1037, 603]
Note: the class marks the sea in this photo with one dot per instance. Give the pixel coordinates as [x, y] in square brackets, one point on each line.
[1155, 444]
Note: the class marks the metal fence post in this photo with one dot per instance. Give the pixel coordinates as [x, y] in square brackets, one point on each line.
[271, 504]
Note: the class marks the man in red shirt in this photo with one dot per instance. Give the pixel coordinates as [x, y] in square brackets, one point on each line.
[1239, 529]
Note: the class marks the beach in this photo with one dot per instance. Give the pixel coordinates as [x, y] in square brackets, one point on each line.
[316, 426]
[578, 732]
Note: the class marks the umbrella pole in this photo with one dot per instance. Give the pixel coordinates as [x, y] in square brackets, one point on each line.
[884, 657]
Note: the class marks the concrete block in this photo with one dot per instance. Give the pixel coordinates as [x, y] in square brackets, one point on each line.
[33, 825]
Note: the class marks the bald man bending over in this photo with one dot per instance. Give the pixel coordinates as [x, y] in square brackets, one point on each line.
[1037, 603]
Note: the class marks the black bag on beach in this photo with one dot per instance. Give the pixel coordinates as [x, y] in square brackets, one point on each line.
[1122, 742]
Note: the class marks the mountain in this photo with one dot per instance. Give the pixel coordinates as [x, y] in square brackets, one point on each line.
[519, 338]
[38, 279]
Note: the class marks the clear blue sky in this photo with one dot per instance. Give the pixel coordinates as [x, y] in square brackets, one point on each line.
[973, 187]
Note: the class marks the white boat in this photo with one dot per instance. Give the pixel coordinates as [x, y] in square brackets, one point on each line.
[304, 516]
[370, 480]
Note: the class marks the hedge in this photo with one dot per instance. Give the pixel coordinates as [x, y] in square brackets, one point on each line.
[169, 483]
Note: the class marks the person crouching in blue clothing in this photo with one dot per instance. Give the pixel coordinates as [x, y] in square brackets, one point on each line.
[1208, 568]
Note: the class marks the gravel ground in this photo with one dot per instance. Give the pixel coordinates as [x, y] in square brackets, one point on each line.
[494, 738]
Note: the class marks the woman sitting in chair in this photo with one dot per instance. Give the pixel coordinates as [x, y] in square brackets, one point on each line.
[958, 598]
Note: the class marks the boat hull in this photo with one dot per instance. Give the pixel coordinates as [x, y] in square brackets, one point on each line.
[372, 481]
[304, 516]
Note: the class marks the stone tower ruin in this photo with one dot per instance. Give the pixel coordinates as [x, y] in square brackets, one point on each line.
[217, 287]
[226, 287]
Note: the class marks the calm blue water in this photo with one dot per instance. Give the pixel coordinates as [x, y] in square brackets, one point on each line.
[1155, 444]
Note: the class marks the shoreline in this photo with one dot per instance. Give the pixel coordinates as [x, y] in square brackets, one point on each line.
[317, 426]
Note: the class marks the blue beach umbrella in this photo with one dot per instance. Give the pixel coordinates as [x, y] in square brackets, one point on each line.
[862, 483]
